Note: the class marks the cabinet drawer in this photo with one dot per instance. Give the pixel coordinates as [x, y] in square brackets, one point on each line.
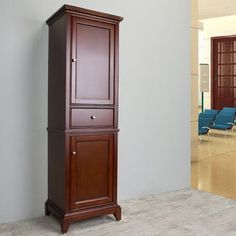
[92, 117]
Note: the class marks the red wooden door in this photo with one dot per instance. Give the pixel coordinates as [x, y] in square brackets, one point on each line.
[223, 72]
[93, 61]
[92, 170]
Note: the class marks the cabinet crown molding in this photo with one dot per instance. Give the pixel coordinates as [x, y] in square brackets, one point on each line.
[82, 12]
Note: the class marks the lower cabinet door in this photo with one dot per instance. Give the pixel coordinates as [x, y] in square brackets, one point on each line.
[91, 170]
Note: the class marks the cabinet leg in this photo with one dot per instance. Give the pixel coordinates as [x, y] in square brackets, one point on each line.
[47, 211]
[117, 215]
[64, 226]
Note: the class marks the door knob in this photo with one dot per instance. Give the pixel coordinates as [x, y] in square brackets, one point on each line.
[93, 117]
[74, 153]
[74, 60]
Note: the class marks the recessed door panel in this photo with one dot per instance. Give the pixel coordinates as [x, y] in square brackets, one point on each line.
[92, 62]
[91, 170]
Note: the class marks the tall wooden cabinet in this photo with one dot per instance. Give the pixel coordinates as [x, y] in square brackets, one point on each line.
[82, 115]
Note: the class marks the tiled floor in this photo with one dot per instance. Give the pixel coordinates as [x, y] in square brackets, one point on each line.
[180, 213]
[215, 171]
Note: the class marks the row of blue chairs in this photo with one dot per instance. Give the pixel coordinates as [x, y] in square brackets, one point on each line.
[224, 119]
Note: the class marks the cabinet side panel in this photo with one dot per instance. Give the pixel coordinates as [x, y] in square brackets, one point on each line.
[56, 111]
[56, 169]
[57, 74]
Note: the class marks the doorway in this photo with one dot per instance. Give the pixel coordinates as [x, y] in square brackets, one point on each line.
[214, 168]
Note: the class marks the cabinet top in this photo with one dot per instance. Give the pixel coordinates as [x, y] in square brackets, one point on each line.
[78, 10]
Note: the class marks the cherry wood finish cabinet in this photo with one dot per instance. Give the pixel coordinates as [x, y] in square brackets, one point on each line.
[82, 115]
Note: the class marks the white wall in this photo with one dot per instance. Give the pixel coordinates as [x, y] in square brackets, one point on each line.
[154, 144]
[219, 26]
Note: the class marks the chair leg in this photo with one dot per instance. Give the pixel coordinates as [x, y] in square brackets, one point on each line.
[200, 139]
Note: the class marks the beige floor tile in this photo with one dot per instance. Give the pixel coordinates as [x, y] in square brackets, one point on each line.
[215, 170]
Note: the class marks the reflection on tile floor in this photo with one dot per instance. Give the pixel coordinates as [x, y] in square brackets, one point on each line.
[215, 170]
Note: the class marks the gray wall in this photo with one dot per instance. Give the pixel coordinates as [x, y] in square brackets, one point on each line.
[154, 141]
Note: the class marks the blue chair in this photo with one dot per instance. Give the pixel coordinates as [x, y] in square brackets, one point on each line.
[209, 116]
[227, 113]
[230, 110]
[204, 123]
[211, 111]
[223, 121]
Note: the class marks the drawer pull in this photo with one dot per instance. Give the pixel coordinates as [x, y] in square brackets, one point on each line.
[74, 60]
[93, 117]
[74, 153]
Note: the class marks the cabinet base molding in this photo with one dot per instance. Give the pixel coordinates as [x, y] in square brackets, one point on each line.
[66, 218]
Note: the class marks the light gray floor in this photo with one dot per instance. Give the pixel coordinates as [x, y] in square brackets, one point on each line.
[185, 212]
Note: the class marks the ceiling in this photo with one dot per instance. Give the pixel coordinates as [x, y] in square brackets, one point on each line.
[216, 8]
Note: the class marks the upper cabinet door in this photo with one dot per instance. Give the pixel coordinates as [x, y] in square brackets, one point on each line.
[93, 60]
